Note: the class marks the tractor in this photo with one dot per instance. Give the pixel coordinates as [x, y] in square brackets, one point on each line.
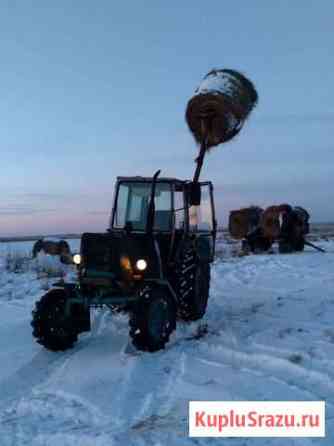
[153, 261]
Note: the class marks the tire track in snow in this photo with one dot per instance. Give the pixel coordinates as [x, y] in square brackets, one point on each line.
[239, 334]
[241, 323]
[42, 366]
[45, 414]
[319, 384]
[148, 384]
[27, 404]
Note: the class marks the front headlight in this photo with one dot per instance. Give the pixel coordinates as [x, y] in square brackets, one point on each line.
[77, 259]
[141, 264]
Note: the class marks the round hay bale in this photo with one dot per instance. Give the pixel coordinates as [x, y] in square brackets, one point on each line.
[284, 208]
[270, 222]
[244, 221]
[302, 217]
[238, 224]
[220, 106]
[302, 213]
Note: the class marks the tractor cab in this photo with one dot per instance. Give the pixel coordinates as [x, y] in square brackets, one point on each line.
[154, 223]
[179, 210]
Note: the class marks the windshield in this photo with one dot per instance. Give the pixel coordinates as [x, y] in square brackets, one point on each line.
[133, 202]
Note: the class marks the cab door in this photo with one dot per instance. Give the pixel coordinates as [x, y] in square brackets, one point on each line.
[202, 223]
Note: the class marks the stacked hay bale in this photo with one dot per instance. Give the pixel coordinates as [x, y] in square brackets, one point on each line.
[259, 229]
[245, 225]
[286, 224]
[244, 221]
[294, 228]
[270, 222]
[303, 218]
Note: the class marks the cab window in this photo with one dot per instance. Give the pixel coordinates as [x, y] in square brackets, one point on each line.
[133, 202]
[200, 217]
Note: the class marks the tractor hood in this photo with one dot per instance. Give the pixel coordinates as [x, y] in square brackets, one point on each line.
[127, 256]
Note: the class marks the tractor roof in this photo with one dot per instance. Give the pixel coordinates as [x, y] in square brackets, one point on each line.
[149, 179]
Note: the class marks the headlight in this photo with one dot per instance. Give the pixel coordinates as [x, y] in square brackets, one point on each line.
[77, 259]
[141, 264]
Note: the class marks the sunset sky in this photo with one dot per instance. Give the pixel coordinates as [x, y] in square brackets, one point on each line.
[92, 90]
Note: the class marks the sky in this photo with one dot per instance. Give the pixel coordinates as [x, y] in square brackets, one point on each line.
[93, 90]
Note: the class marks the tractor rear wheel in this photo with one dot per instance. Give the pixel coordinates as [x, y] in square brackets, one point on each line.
[51, 327]
[193, 287]
[152, 319]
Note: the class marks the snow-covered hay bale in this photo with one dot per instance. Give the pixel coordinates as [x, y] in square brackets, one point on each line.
[220, 106]
[55, 248]
[243, 221]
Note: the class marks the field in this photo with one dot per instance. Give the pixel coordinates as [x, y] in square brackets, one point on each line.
[268, 335]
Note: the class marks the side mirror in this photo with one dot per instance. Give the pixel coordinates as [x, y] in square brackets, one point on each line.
[194, 194]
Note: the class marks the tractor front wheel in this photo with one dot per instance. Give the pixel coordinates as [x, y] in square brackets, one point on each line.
[51, 327]
[152, 319]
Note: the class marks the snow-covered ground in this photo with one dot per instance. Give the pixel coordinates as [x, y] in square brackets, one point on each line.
[269, 336]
